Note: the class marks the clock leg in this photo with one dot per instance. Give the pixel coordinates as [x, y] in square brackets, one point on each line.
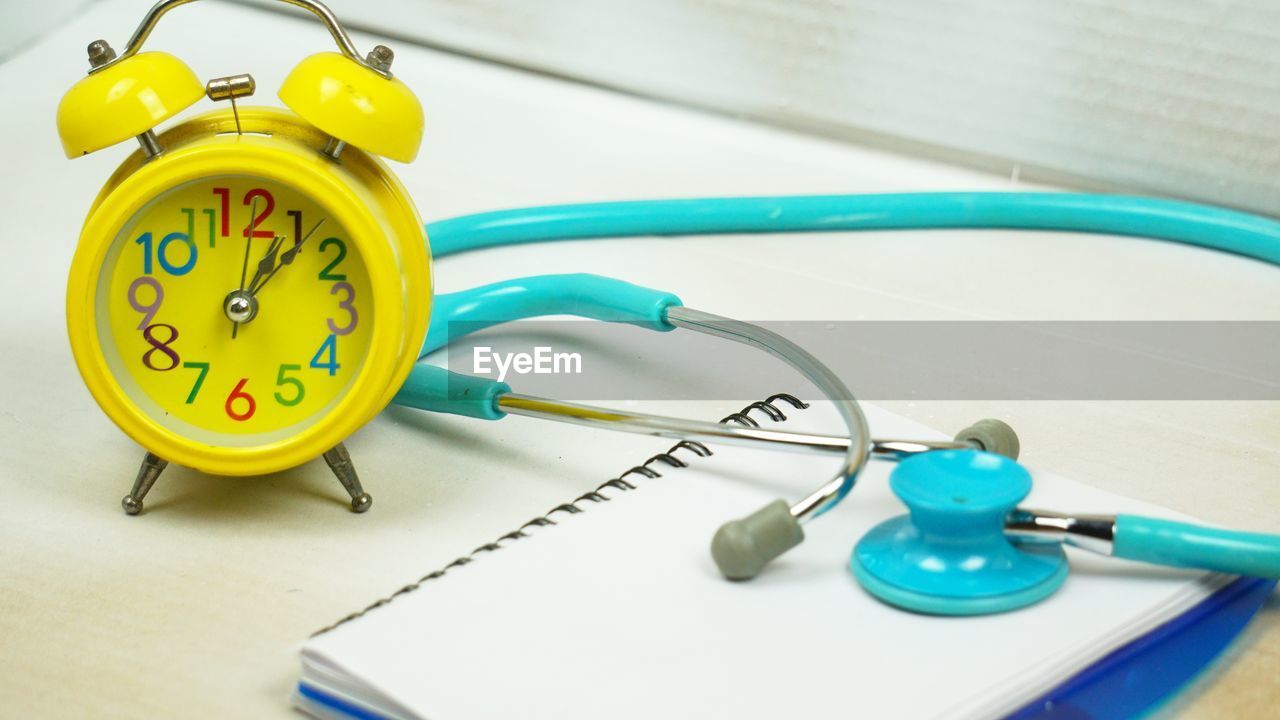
[151, 468]
[339, 461]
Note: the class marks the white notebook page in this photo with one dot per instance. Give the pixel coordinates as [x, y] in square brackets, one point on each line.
[618, 611]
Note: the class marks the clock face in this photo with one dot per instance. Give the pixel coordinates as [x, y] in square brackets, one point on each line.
[234, 311]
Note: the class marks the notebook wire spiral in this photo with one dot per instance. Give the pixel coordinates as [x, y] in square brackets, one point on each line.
[768, 407]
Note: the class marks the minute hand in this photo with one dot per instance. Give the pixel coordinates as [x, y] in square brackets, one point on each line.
[268, 267]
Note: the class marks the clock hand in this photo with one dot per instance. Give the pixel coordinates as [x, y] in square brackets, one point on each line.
[268, 263]
[248, 240]
[238, 305]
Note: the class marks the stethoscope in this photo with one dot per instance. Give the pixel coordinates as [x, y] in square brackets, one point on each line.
[965, 547]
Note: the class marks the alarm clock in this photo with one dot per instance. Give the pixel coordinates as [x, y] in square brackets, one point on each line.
[253, 284]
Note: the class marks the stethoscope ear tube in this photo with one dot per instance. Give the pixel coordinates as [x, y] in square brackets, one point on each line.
[457, 314]
[460, 313]
[750, 543]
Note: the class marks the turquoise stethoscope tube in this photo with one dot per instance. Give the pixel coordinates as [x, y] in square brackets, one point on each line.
[581, 294]
[606, 299]
[433, 388]
[1172, 220]
[1167, 542]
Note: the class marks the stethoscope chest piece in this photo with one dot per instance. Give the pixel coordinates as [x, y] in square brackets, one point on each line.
[949, 555]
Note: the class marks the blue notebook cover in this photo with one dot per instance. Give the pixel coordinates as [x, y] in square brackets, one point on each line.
[1137, 678]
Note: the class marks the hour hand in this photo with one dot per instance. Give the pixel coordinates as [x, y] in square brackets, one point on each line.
[267, 265]
[287, 256]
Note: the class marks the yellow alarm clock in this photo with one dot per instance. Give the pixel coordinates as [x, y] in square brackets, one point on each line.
[253, 284]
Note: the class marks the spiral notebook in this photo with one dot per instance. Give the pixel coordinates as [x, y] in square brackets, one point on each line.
[610, 606]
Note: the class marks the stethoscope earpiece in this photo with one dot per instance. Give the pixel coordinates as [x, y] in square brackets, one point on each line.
[741, 548]
[994, 436]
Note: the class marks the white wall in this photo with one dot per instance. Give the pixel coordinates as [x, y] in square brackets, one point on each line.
[22, 21]
[1180, 97]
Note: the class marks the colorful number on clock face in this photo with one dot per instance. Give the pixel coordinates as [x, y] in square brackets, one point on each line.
[166, 332]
